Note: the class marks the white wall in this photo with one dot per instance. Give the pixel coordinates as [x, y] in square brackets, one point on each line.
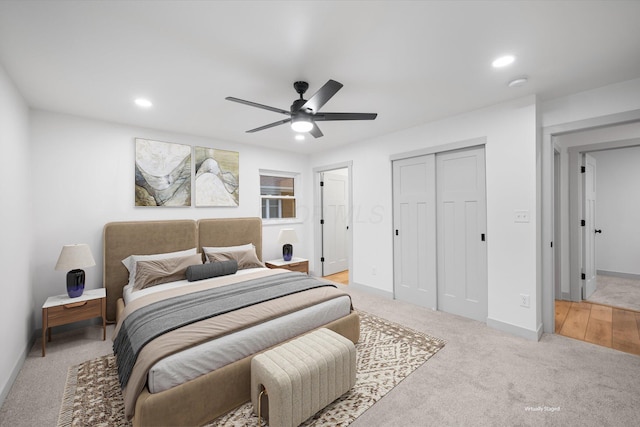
[618, 210]
[603, 101]
[510, 131]
[83, 177]
[16, 306]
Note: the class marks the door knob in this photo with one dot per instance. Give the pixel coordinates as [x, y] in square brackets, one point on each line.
[598, 231]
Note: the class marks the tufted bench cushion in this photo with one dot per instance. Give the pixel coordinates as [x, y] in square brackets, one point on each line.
[302, 376]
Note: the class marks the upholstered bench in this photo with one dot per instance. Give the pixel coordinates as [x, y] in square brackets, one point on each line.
[293, 381]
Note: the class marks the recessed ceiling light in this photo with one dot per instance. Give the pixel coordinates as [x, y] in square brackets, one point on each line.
[144, 103]
[299, 137]
[503, 61]
[517, 82]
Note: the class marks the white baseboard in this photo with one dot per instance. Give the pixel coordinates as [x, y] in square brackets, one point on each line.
[6, 387]
[516, 330]
[369, 289]
[631, 276]
[495, 324]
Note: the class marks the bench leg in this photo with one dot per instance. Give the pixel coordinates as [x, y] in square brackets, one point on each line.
[263, 392]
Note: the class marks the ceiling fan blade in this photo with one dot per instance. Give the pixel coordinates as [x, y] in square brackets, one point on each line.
[255, 104]
[315, 131]
[270, 125]
[323, 95]
[344, 116]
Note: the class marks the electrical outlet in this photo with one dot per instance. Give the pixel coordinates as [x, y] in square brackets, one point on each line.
[521, 216]
[373, 271]
[524, 300]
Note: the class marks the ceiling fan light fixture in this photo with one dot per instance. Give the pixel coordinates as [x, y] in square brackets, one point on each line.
[304, 112]
[301, 124]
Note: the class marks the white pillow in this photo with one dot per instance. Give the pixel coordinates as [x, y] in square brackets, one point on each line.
[130, 261]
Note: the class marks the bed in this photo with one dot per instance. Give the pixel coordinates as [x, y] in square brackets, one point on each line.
[213, 393]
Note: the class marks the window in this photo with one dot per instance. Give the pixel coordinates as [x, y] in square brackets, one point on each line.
[277, 191]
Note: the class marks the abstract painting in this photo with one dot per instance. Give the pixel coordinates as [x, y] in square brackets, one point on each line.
[163, 173]
[217, 177]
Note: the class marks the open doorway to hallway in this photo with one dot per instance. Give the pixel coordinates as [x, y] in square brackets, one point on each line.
[334, 223]
[618, 233]
[332, 230]
[561, 231]
[601, 216]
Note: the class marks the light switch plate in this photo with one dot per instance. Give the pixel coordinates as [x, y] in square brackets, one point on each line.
[521, 216]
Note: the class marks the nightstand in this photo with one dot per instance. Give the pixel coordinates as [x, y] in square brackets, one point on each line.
[61, 310]
[296, 264]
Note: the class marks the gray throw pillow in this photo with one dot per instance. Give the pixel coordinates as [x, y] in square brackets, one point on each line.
[212, 269]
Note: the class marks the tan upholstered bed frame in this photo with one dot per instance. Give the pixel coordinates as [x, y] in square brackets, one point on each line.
[209, 396]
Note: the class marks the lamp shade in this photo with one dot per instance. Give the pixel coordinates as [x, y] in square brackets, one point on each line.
[287, 235]
[73, 257]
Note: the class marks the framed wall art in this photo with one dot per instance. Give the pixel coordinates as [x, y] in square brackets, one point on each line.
[163, 173]
[217, 178]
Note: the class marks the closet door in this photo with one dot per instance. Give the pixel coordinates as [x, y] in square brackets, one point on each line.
[461, 233]
[414, 216]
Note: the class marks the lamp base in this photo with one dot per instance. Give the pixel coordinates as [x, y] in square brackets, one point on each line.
[287, 251]
[75, 283]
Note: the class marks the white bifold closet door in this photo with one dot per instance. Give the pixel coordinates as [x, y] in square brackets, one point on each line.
[440, 256]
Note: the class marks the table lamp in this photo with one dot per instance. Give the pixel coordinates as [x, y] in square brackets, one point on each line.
[287, 237]
[73, 258]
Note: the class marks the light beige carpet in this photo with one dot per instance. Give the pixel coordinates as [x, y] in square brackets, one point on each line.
[617, 292]
[386, 354]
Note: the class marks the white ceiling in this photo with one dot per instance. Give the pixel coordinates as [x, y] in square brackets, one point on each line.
[411, 62]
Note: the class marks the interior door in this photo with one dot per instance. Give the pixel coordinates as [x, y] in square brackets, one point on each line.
[334, 229]
[414, 218]
[589, 229]
[557, 236]
[461, 233]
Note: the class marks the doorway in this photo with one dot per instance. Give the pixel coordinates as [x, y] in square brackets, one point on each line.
[334, 193]
[440, 254]
[604, 234]
[332, 228]
[616, 233]
[571, 140]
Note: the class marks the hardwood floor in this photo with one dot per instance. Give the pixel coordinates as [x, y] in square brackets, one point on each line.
[599, 324]
[341, 277]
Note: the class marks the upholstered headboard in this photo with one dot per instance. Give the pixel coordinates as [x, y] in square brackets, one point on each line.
[121, 239]
[231, 232]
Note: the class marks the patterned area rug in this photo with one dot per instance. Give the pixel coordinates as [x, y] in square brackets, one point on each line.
[386, 354]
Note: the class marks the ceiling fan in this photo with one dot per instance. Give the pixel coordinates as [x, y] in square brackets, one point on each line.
[304, 113]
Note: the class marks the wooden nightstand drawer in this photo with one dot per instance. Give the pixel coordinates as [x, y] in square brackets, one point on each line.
[72, 312]
[302, 266]
[296, 264]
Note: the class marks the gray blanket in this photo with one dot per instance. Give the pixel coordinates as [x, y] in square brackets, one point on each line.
[153, 320]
